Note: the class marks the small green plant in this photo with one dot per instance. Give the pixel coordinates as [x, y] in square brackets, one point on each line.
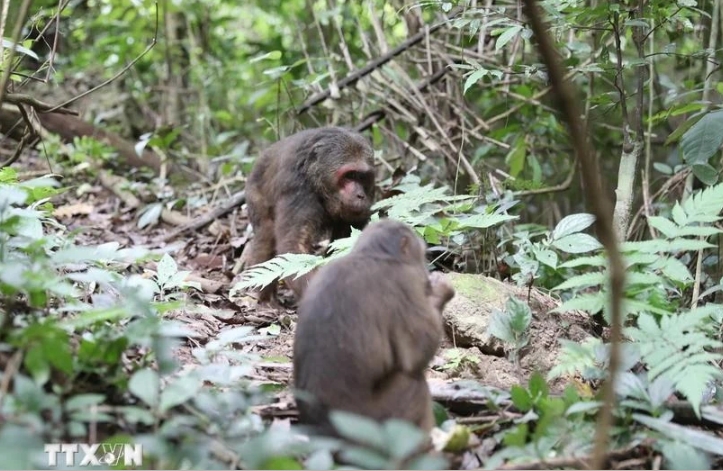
[458, 358]
[512, 326]
[538, 256]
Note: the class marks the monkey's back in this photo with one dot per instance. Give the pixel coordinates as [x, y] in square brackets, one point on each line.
[343, 348]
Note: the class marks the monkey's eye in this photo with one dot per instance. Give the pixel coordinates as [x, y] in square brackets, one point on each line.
[357, 176]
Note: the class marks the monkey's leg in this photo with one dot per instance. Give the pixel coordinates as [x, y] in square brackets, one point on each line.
[297, 231]
[405, 397]
[263, 246]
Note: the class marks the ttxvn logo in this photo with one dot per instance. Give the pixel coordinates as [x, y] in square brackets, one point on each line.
[95, 454]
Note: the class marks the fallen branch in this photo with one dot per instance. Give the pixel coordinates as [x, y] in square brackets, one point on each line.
[117, 185]
[205, 219]
[39, 106]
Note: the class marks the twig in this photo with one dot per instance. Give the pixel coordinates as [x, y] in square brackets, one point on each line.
[379, 115]
[233, 202]
[601, 208]
[375, 64]
[550, 189]
[10, 369]
[41, 107]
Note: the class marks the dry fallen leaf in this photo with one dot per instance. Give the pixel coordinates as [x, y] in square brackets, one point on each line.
[73, 210]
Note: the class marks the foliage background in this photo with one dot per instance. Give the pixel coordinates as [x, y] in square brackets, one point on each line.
[467, 107]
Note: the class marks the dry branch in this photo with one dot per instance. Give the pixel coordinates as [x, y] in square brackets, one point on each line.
[375, 64]
[118, 186]
[379, 115]
[600, 206]
[39, 106]
[197, 223]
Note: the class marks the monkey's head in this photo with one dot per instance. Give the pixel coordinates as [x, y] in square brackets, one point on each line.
[393, 239]
[344, 175]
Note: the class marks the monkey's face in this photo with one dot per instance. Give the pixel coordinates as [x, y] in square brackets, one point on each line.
[354, 184]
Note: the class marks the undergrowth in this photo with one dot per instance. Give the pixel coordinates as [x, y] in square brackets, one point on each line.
[87, 353]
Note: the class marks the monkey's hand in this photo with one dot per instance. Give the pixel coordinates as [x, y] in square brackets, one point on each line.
[442, 291]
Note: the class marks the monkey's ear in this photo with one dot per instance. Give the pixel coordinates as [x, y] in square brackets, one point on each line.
[316, 149]
[405, 246]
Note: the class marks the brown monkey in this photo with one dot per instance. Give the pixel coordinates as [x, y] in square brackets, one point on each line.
[312, 184]
[369, 324]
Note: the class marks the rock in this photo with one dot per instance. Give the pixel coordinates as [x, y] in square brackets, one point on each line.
[467, 316]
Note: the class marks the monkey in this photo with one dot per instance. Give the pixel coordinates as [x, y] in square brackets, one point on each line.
[315, 183]
[368, 325]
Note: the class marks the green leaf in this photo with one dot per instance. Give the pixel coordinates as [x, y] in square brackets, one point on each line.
[676, 270]
[663, 168]
[7, 44]
[546, 256]
[179, 391]
[538, 386]
[37, 364]
[664, 225]
[572, 224]
[474, 77]
[483, 221]
[679, 215]
[282, 462]
[521, 398]
[84, 401]
[591, 303]
[506, 36]
[166, 268]
[272, 55]
[516, 157]
[703, 139]
[57, 351]
[705, 173]
[516, 436]
[520, 314]
[682, 456]
[590, 260]
[145, 385]
[150, 215]
[577, 243]
[281, 266]
[582, 281]
[499, 326]
[695, 438]
[402, 438]
[358, 428]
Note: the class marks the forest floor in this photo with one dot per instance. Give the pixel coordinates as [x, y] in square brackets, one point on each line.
[96, 216]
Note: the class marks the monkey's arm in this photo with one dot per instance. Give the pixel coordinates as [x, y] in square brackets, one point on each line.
[298, 230]
[440, 291]
[416, 331]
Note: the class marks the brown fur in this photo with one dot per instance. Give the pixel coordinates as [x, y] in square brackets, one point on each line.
[369, 324]
[311, 185]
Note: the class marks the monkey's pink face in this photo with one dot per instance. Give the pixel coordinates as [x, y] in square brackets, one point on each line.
[355, 184]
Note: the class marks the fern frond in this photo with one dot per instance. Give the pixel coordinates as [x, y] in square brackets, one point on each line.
[402, 205]
[678, 348]
[282, 266]
[704, 206]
